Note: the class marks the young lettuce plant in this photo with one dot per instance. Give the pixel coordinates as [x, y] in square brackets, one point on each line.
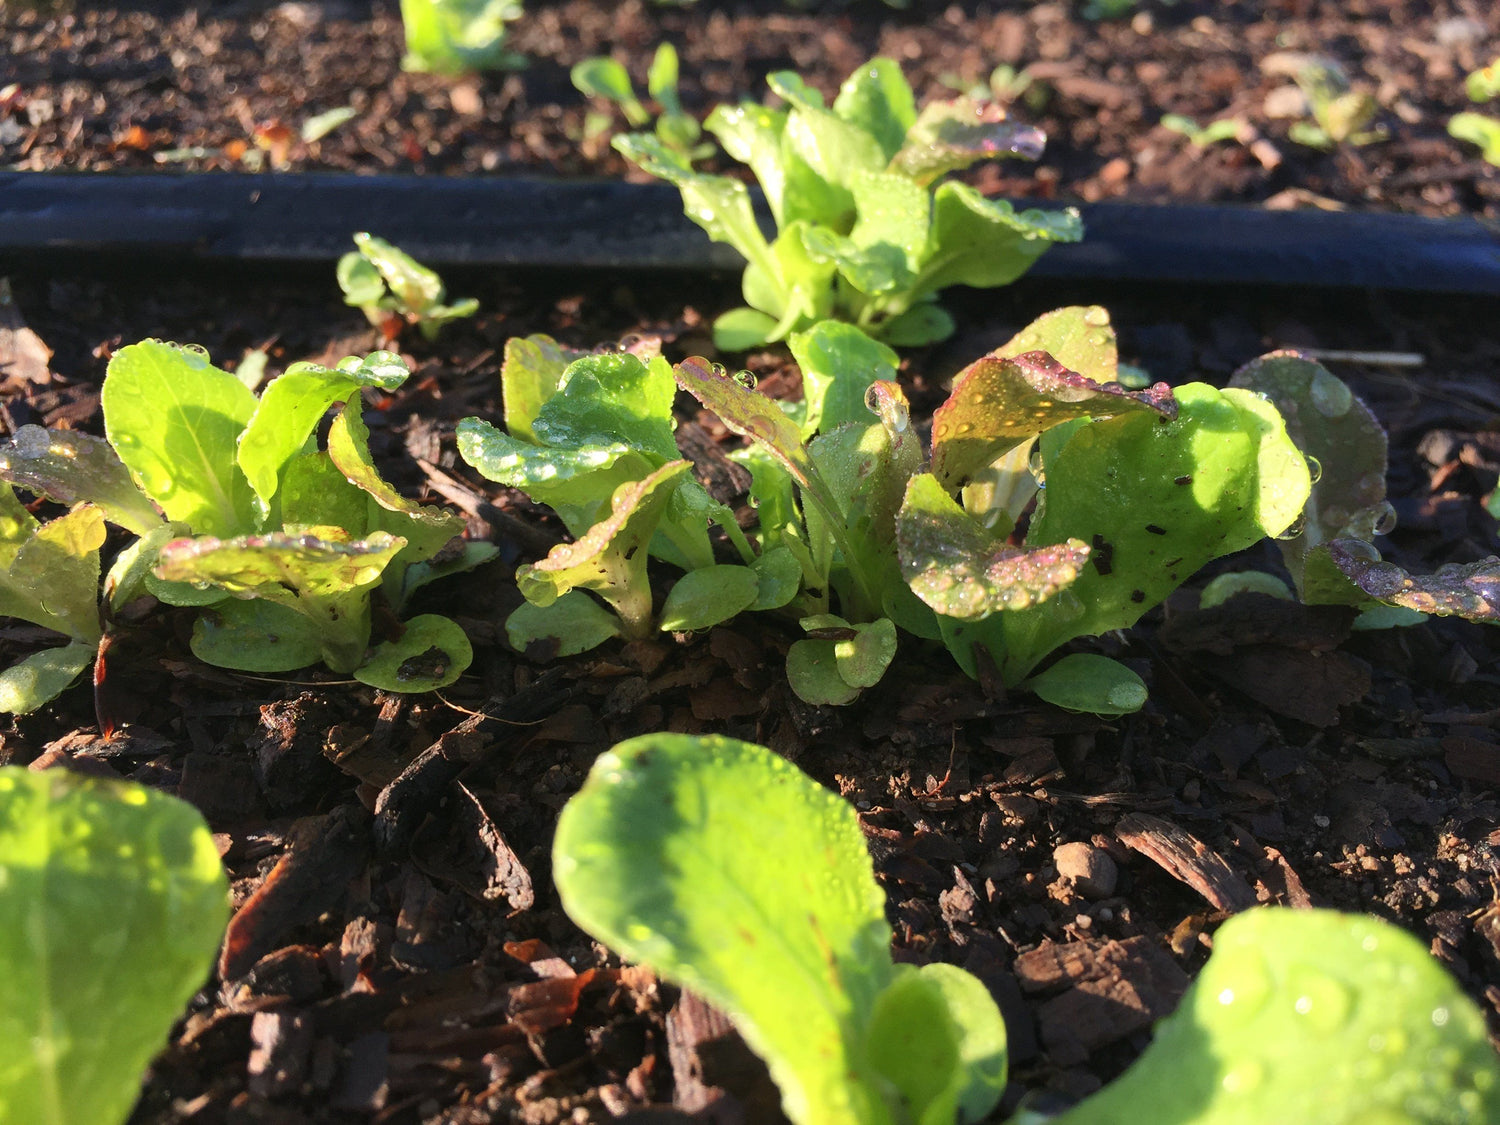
[114, 902]
[280, 545]
[591, 435]
[454, 37]
[387, 285]
[866, 232]
[1298, 1015]
[1332, 558]
[1482, 85]
[604, 77]
[1141, 489]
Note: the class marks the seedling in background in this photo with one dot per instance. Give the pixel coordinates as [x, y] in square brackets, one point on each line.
[1299, 1015]
[114, 901]
[1476, 128]
[390, 287]
[1224, 129]
[606, 78]
[280, 545]
[454, 37]
[866, 232]
[1341, 114]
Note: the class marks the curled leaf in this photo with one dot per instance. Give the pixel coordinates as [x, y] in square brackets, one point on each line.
[1000, 401]
[1469, 591]
[961, 570]
[951, 135]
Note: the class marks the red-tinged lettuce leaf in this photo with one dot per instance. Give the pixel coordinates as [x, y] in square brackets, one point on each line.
[1155, 500]
[427, 530]
[1080, 337]
[1470, 591]
[1000, 401]
[951, 135]
[1332, 426]
[610, 558]
[961, 570]
[293, 404]
[326, 580]
[529, 376]
[753, 415]
[71, 468]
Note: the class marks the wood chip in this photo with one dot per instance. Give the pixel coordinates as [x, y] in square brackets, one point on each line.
[1186, 858]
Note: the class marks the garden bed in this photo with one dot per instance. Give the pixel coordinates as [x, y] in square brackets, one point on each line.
[398, 952]
[406, 958]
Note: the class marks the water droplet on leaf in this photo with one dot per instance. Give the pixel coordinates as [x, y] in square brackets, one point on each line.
[32, 441]
[1330, 397]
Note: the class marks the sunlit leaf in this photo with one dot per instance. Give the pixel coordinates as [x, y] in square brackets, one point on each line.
[71, 468]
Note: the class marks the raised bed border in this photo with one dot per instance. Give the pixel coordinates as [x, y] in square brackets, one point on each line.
[598, 224]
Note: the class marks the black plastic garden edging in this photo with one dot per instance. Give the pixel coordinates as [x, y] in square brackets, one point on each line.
[525, 222]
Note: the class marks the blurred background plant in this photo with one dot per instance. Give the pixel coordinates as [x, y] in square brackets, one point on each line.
[458, 36]
[606, 78]
[1477, 128]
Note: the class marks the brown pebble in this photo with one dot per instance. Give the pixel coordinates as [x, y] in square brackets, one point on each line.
[1093, 873]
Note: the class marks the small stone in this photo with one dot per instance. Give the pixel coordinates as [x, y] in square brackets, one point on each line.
[1093, 873]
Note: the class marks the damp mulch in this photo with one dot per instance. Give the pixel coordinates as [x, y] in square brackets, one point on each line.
[398, 953]
[159, 84]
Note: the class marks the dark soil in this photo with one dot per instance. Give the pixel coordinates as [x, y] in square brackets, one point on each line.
[162, 85]
[404, 959]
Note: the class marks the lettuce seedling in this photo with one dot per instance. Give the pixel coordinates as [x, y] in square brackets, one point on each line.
[866, 233]
[656, 857]
[1340, 113]
[604, 77]
[382, 282]
[1298, 1015]
[114, 901]
[1141, 489]
[279, 544]
[1482, 85]
[592, 436]
[455, 37]
[1332, 557]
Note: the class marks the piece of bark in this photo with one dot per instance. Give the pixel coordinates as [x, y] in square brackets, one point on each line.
[1307, 686]
[1113, 988]
[23, 356]
[281, 1045]
[717, 1078]
[1187, 859]
[323, 855]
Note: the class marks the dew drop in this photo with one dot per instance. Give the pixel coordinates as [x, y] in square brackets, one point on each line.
[1330, 397]
[1314, 468]
[745, 379]
[1097, 316]
[1248, 987]
[1324, 1002]
[1097, 339]
[1385, 521]
[965, 428]
[1296, 527]
[1382, 579]
[31, 442]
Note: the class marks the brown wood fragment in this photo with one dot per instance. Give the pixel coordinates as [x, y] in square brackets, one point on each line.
[323, 855]
[23, 356]
[281, 1044]
[716, 1077]
[1187, 859]
[1113, 988]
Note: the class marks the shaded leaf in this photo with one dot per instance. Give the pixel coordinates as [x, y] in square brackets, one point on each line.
[708, 596]
[71, 468]
[574, 623]
[37, 681]
[255, 636]
[1085, 681]
[986, 242]
[432, 652]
